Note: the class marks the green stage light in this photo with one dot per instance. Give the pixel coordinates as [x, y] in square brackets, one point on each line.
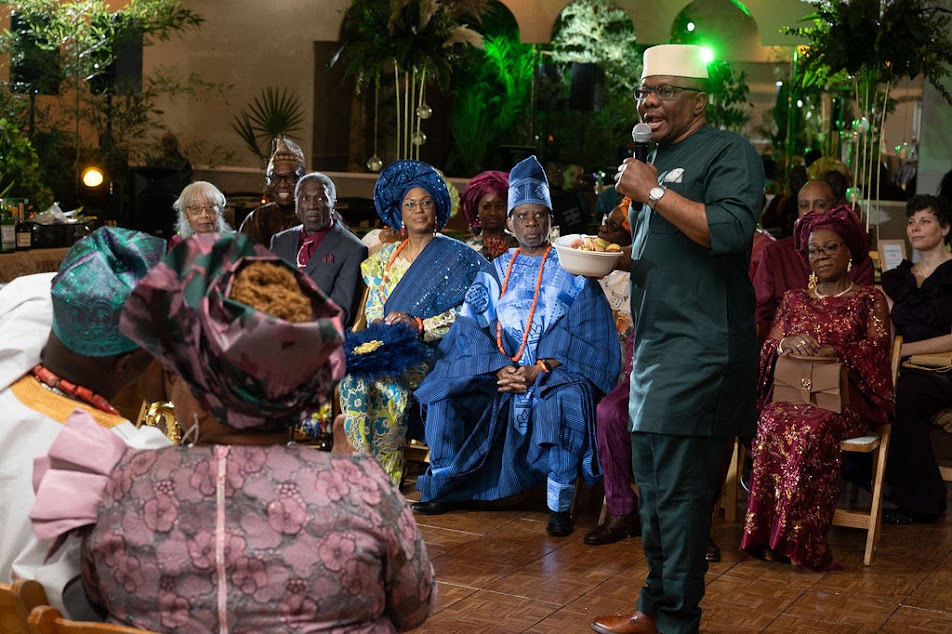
[707, 54]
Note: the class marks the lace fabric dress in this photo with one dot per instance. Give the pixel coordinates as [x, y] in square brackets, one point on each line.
[795, 480]
[236, 538]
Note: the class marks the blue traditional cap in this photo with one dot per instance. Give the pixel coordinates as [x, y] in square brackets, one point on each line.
[528, 184]
[400, 177]
[93, 282]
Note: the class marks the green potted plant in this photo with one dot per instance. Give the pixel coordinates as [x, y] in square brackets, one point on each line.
[871, 45]
[413, 39]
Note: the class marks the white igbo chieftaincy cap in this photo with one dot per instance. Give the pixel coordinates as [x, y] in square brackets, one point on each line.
[676, 60]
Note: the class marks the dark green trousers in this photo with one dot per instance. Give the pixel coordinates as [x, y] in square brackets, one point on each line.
[677, 477]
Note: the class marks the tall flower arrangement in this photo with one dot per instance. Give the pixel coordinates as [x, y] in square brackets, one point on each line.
[415, 40]
[873, 45]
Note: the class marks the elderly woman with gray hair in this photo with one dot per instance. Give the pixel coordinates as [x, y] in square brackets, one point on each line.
[198, 209]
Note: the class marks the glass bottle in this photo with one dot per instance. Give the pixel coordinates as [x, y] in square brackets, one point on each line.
[8, 230]
[24, 231]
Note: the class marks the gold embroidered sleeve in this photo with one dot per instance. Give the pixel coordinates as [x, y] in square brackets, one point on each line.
[436, 327]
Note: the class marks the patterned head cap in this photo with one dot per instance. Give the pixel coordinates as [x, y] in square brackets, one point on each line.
[842, 221]
[528, 184]
[400, 177]
[247, 368]
[286, 150]
[93, 282]
[491, 182]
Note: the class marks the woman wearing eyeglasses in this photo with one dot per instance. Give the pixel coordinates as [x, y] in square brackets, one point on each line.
[199, 208]
[416, 286]
[795, 481]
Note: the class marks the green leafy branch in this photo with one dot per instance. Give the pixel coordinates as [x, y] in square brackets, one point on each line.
[901, 39]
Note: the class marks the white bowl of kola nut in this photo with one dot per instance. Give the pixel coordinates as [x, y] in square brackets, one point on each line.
[590, 256]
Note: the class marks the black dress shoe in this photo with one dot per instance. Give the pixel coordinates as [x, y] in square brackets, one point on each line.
[560, 524]
[615, 528]
[897, 518]
[713, 553]
[434, 507]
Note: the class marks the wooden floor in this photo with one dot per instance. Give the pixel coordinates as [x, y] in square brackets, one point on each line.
[498, 571]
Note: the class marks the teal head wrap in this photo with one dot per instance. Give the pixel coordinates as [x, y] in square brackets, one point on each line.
[93, 282]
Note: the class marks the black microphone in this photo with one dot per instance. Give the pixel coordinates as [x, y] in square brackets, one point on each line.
[641, 134]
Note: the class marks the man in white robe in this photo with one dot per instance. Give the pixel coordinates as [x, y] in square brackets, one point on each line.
[32, 413]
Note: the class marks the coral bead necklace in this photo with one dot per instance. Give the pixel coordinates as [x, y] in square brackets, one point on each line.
[535, 301]
[78, 392]
[386, 269]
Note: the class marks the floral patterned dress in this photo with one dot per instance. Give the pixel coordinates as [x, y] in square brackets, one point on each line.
[795, 480]
[237, 538]
[375, 411]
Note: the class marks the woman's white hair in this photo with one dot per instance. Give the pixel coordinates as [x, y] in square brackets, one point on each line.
[199, 190]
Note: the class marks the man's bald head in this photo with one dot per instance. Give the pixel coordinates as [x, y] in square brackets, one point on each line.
[816, 195]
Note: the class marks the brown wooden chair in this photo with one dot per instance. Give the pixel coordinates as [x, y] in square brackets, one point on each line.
[16, 602]
[877, 443]
[942, 442]
[48, 620]
[732, 481]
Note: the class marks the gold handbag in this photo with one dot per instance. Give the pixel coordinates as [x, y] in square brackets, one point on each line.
[935, 362]
[817, 381]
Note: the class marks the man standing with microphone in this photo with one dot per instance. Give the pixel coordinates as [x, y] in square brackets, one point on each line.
[694, 209]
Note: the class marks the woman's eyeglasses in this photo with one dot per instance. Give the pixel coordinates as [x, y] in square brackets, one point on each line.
[829, 250]
[426, 204]
[198, 209]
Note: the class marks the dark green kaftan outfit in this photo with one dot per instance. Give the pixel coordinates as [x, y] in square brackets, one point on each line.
[695, 360]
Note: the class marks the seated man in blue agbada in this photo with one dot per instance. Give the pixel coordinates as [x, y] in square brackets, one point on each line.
[511, 402]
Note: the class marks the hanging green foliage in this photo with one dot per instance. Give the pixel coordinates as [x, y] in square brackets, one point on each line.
[492, 101]
[597, 32]
[592, 32]
[729, 106]
[421, 34]
[888, 41]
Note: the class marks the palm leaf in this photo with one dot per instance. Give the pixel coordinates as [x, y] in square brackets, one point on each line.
[276, 112]
[273, 113]
[242, 126]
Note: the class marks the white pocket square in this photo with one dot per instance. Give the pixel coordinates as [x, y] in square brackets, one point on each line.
[675, 175]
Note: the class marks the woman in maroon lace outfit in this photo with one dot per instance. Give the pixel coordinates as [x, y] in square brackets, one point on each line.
[795, 480]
